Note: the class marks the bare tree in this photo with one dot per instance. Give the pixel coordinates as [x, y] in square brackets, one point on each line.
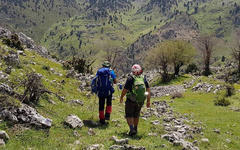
[114, 56]
[206, 44]
[236, 49]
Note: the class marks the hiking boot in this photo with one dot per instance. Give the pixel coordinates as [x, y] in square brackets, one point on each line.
[102, 121]
[107, 116]
[132, 132]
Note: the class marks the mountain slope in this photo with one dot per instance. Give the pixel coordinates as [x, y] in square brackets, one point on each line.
[35, 17]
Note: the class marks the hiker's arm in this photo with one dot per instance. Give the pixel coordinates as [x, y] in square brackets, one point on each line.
[148, 97]
[115, 81]
[124, 92]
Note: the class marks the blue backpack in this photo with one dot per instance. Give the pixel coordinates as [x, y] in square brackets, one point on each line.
[101, 84]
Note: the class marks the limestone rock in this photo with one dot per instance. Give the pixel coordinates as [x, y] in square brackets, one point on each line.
[4, 33]
[96, 147]
[79, 102]
[12, 60]
[126, 147]
[2, 143]
[91, 132]
[216, 131]
[4, 136]
[156, 122]
[166, 90]
[120, 141]
[205, 140]
[5, 89]
[26, 114]
[74, 121]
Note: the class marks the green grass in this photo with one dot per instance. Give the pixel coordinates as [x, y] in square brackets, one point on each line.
[176, 81]
[202, 107]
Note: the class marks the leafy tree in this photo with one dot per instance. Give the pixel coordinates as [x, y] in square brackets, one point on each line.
[159, 58]
[169, 54]
[181, 54]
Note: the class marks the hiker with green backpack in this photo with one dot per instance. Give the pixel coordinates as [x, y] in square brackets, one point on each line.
[137, 90]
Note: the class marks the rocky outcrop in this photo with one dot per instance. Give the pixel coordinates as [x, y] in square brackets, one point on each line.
[25, 40]
[12, 60]
[166, 90]
[4, 33]
[206, 87]
[25, 114]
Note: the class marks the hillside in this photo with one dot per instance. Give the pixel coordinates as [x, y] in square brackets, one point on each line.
[74, 27]
[35, 17]
[106, 29]
[191, 121]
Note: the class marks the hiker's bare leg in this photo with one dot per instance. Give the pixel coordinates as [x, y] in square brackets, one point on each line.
[130, 121]
[136, 120]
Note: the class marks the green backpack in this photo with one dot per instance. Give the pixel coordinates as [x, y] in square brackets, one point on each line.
[138, 90]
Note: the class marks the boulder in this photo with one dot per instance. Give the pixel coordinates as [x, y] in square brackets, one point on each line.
[74, 121]
[26, 114]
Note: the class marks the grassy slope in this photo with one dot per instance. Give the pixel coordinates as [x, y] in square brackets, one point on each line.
[207, 18]
[125, 31]
[44, 16]
[60, 137]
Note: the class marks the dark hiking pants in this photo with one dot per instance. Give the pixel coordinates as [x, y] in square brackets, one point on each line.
[108, 111]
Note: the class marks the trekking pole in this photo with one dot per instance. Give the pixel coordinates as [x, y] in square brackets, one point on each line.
[94, 104]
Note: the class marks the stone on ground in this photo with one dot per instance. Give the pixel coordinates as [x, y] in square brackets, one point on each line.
[74, 121]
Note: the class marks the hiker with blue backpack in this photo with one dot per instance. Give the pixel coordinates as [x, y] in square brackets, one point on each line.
[137, 90]
[102, 86]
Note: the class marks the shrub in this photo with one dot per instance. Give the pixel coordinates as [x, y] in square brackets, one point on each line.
[221, 101]
[191, 68]
[33, 88]
[13, 42]
[55, 57]
[81, 65]
[8, 101]
[46, 67]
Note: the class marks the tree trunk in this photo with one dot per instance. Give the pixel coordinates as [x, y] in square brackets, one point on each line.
[177, 68]
[207, 71]
[239, 66]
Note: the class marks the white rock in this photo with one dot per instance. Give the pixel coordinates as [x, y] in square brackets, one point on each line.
[4, 136]
[74, 121]
[205, 140]
[96, 147]
[2, 143]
